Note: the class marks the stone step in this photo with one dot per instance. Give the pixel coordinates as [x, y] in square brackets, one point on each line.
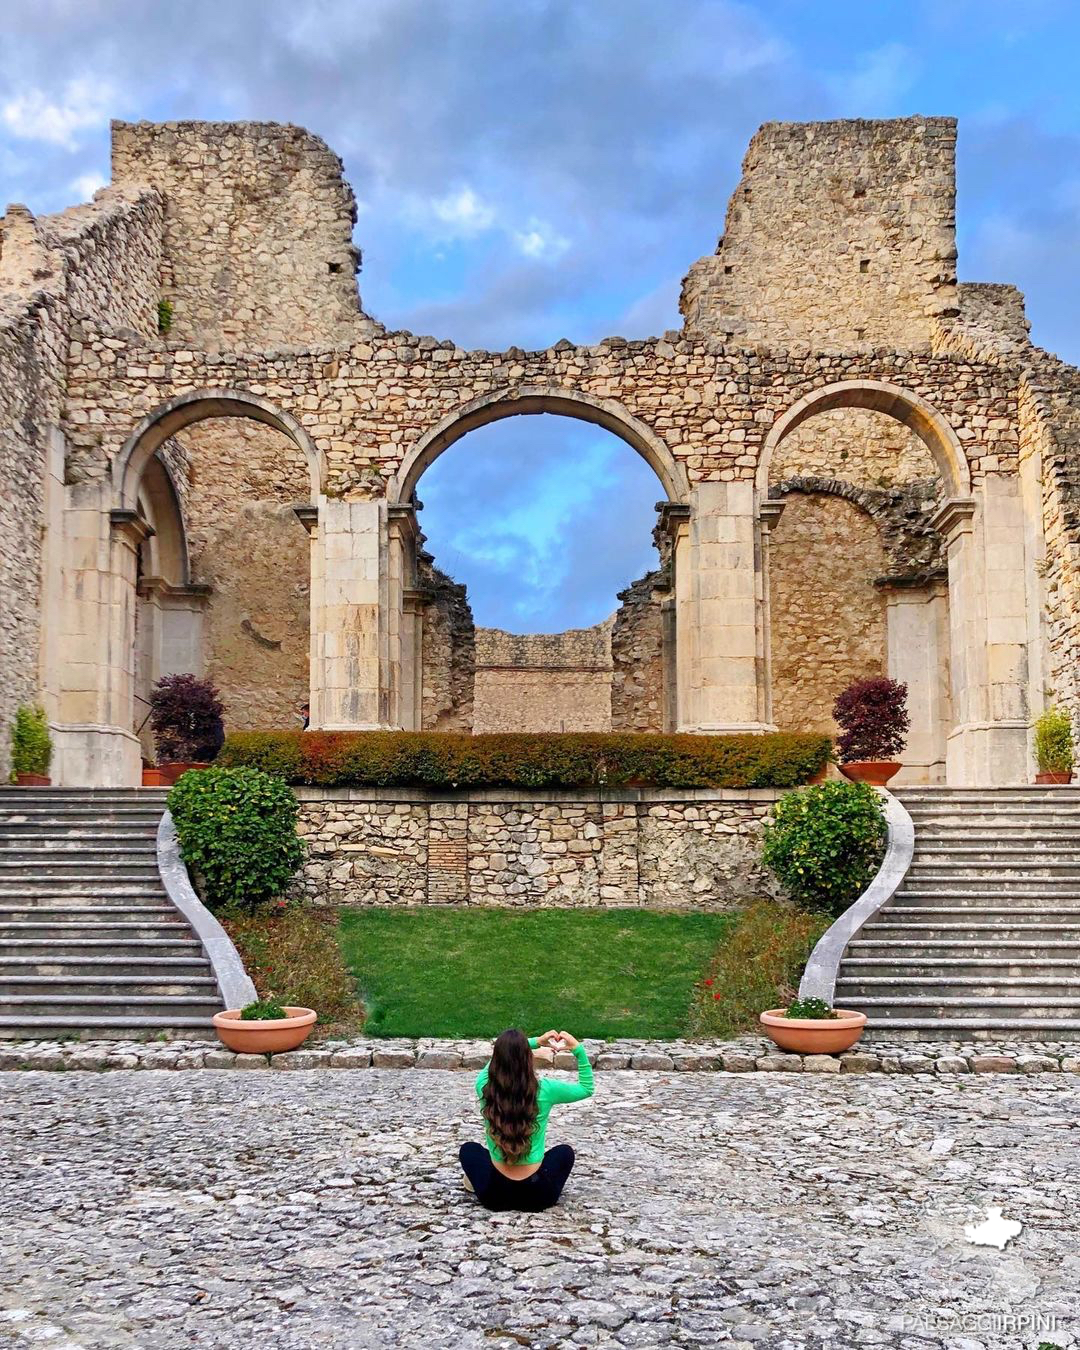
[990, 1028]
[868, 986]
[103, 1005]
[1039, 896]
[1035, 791]
[981, 926]
[995, 967]
[1030, 832]
[61, 867]
[63, 906]
[91, 848]
[919, 949]
[1002, 854]
[134, 986]
[153, 967]
[43, 948]
[918, 1005]
[54, 888]
[897, 912]
[162, 926]
[27, 1027]
[1019, 868]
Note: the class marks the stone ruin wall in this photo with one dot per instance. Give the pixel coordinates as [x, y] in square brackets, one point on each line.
[840, 234]
[699, 849]
[257, 246]
[448, 650]
[543, 681]
[101, 259]
[827, 618]
[279, 271]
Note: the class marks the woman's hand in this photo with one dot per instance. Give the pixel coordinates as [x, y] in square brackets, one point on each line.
[569, 1042]
[547, 1038]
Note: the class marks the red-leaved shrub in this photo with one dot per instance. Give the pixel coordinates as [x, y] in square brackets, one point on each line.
[185, 717]
[874, 718]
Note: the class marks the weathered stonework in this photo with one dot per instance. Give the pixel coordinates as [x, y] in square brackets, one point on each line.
[698, 849]
[543, 681]
[833, 292]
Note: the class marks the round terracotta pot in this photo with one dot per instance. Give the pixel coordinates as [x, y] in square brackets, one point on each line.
[32, 780]
[1051, 776]
[264, 1038]
[812, 1035]
[876, 772]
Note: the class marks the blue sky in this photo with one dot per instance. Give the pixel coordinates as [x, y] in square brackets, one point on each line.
[541, 169]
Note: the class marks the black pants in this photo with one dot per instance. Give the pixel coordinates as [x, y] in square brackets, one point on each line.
[494, 1191]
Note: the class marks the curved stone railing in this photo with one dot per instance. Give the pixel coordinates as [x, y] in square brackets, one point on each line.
[819, 977]
[233, 982]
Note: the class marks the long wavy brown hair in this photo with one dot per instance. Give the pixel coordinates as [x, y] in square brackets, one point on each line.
[510, 1095]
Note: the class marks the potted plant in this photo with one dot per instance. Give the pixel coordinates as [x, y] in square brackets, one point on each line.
[31, 748]
[810, 1027]
[186, 720]
[264, 1027]
[874, 719]
[1054, 746]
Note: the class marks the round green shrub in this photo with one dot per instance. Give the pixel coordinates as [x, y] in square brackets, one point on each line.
[237, 833]
[825, 843]
[31, 744]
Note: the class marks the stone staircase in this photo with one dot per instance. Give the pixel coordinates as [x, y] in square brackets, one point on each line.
[90, 944]
[983, 936]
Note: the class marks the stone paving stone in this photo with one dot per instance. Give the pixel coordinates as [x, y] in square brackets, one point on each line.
[993, 1064]
[313, 1210]
[821, 1064]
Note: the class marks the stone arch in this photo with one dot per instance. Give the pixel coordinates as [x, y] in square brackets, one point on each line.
[197, 406]
[532, 400]
[877, 396]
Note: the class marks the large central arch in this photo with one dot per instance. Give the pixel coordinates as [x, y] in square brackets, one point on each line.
[530, 400]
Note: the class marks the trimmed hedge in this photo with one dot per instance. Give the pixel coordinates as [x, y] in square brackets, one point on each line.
[527, 760]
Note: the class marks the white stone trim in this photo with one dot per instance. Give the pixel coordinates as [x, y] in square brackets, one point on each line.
[819, 977]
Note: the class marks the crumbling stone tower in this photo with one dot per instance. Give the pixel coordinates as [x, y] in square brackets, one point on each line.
[215, 279]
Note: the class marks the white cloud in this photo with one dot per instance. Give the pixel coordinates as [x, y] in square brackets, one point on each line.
[463, 212]
[33, 116]
[86, 185]
[539, 240]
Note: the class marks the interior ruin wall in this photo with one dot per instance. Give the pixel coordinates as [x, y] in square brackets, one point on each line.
[543, 681]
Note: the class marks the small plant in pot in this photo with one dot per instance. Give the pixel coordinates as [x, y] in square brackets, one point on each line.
[874, 722]
[186, 720]
[31, 748]
[1054, 746]
[809, 1026]
[264, 1027]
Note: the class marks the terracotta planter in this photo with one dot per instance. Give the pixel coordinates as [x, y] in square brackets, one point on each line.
[876, 772]
[1050, 776]
[262, 1038]
[151, 777]
[812, 1035]
[32, 780]
[169, 773]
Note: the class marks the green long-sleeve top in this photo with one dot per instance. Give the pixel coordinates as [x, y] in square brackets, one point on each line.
[552, 1091]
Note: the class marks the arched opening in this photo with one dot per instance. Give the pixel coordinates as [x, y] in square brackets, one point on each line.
[858, 573]
[563, 621]
[223, 575]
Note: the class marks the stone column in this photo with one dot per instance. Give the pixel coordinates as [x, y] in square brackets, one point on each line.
[94, 738]
[404, 655]
[988, 745]
[348, 608]
[769, 513]
[917, 627]
[720, 613]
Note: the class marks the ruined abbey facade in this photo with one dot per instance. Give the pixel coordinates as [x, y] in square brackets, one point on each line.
[211, 460]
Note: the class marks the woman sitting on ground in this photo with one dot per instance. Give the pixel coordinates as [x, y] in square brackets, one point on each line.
[513, 1171]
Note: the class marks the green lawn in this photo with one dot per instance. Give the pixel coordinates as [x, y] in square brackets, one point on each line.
[601, 973]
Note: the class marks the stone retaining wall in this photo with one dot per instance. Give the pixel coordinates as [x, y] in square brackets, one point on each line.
[698, 848]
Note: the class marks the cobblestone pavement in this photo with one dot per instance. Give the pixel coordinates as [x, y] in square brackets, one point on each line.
[294, 1211]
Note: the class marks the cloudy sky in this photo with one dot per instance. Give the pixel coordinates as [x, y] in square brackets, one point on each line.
[535, 169]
